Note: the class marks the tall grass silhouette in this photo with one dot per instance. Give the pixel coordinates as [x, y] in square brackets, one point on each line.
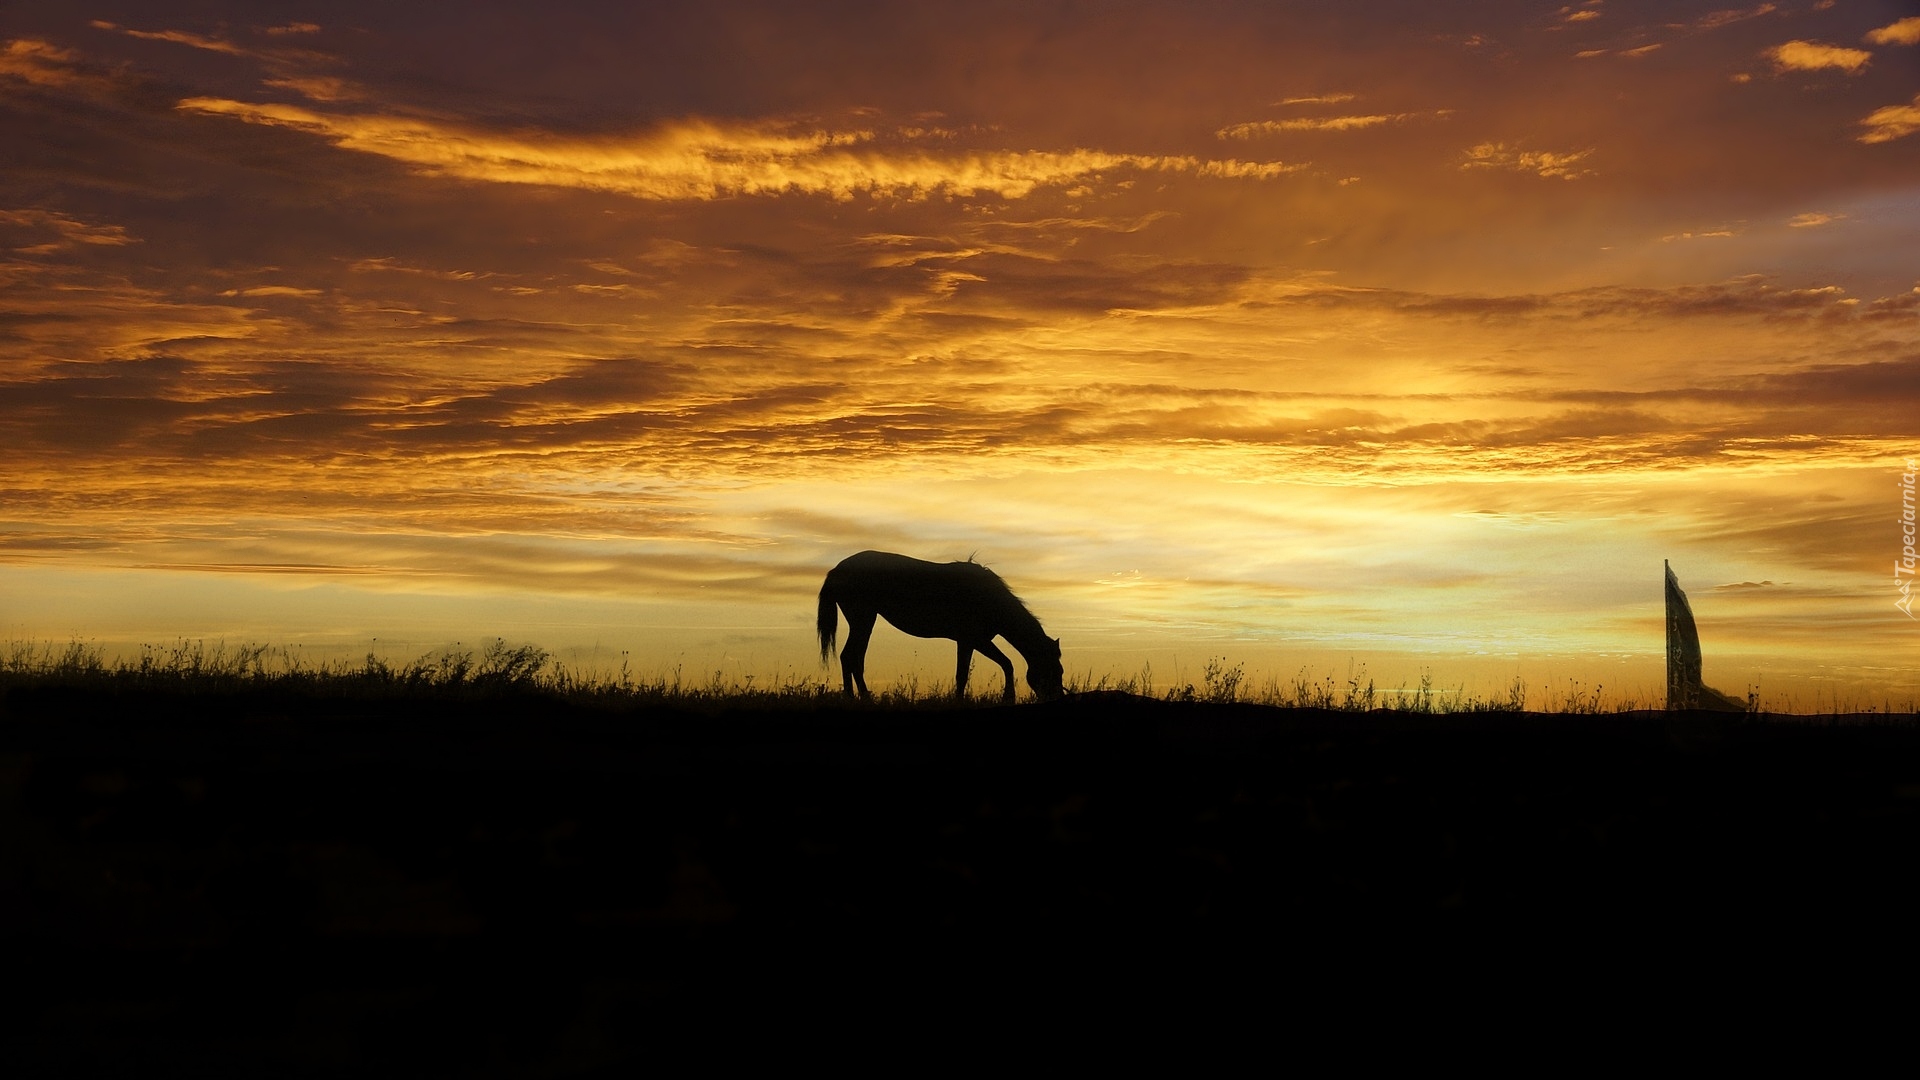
[499, 668]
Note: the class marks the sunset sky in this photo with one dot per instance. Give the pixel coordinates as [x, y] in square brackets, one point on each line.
[1401, 334]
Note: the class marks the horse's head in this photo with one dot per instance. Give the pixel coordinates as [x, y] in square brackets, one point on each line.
[1044, 672]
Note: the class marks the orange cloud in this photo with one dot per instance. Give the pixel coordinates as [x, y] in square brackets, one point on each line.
[363, 266]
[324, 88]
[40, 63]
[1714, 20]
[272, 290]
[1545, 163]
[1321, 123]
[1903, 32]
[1891, 122]
[70, 230]
[1225, 169]
[1703, 234]
[1316, 99]
[1815, 56]
[696, 159]
[178, 37]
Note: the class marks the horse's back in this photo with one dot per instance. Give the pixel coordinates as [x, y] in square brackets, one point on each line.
[881, 562]
[889, 574]
[885, 566]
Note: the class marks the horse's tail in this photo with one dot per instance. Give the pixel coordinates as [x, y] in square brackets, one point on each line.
[828, 621]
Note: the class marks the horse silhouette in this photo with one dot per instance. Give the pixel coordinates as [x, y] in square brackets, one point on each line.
[960, 600]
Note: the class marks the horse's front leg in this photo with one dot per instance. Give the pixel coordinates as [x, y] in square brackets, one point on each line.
[962, 668]
[993, 653]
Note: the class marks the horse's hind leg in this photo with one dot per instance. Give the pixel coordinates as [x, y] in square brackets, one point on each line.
[993, 653]
[853, 656]
[961, 669]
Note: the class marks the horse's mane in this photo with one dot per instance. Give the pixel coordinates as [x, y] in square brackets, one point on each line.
[1000, 584]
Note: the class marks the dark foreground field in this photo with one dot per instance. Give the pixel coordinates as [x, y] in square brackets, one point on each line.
[290, 885]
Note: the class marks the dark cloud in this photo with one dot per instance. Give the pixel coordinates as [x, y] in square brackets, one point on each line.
[106, 406]
[1895, 383]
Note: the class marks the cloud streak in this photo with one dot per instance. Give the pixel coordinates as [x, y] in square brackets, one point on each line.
[706, 160]
[177, 37]
[1560, 165]
[1258, 128]
[69, 230]
[43, 64]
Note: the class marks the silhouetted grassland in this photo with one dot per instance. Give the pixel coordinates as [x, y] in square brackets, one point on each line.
[453, 675]
[463, 674]
[482, 863]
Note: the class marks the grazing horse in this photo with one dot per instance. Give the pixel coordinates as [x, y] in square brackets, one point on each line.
[960, 600]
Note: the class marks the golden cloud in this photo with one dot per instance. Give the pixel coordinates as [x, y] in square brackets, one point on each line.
[1714, 20]
[70, 230]
[177, 37]
[1226, 169]
[364, 266]
[1814, 56]
[1703, 234]
[1812, 218]
[323, 88]
[1320, 123]
[697, 159]
[1903, 32]
[40, 63]
[1891, 122]
[1545, 163]
[272, 290]
[1644, 50]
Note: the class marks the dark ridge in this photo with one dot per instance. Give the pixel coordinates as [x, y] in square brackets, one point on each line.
[269, 880]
